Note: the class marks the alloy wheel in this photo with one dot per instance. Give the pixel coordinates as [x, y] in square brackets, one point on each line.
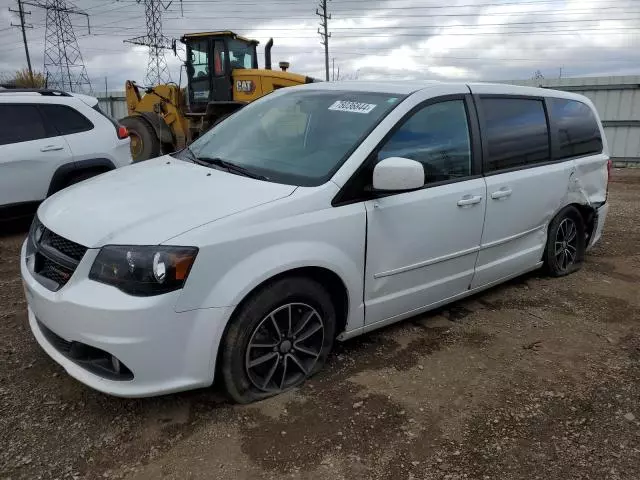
[566, 244]
[284, 347]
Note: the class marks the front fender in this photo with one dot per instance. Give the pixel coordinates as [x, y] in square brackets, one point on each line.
[232, 287]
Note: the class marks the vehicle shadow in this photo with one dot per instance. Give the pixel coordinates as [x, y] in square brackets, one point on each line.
[15, 226]
[372, 350]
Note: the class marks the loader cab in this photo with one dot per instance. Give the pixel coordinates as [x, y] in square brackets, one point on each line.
[211, 58]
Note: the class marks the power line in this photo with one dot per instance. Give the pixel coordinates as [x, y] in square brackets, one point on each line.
[408, 27]
[387, 16]
[608, 31]
[371, 8]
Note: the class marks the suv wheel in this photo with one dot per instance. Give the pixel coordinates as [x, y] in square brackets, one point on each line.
[566, 243]
[280, 337]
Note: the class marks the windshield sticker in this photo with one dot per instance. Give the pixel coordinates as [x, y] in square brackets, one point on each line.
[392, 100]
[353, 107]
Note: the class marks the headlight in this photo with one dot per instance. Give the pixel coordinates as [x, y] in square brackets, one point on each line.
[35, 235]
[143, 271]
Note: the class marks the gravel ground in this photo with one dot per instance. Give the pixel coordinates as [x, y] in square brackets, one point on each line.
[538, 378]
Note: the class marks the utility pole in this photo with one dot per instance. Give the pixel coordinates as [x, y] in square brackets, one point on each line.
[23, 26]
[324, 35]
[333, 70]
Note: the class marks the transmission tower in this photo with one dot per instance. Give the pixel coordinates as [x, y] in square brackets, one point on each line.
[157, 70]
[63, 64]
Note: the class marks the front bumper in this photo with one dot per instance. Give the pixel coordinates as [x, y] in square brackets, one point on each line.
[166, 351]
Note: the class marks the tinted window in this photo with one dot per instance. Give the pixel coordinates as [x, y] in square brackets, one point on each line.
[436, 136]
[578, 130]
[65, 119]
[199, 58]
[218, 58]
[98, 109]
[516, 132]
[20, 123]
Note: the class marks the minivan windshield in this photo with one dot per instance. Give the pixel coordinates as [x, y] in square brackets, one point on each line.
[297, 137]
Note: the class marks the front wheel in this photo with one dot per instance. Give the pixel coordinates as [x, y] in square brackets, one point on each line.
[566, 243]
[280, 337]
[145, 144]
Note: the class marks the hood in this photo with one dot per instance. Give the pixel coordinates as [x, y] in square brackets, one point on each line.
[151, 202]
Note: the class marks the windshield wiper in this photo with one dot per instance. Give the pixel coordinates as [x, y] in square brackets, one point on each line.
[231, 167]
[185, 154]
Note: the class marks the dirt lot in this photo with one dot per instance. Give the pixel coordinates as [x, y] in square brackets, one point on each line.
[539, 378]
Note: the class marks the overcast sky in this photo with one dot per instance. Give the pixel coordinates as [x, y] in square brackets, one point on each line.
[399, 39]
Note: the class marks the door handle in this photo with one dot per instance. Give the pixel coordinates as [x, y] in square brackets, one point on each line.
[504, 192]
[469, 200]
[51, 148]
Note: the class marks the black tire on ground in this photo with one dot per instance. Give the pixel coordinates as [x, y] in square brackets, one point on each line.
[145, 144]
[566, 243]
[252, 324]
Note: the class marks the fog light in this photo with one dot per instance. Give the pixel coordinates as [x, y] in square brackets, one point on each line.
[115, 363]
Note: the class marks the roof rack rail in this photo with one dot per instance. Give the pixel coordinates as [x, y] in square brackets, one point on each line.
[41, 91]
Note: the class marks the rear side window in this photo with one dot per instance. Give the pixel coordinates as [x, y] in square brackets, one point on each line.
[97, 108]
[516, 132]
[578, 132]
[65, 119]
[20, 123]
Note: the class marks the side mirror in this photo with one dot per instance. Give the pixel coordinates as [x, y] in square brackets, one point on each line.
[398, 174]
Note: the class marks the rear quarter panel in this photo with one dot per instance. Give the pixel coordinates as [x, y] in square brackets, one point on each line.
[591, 177]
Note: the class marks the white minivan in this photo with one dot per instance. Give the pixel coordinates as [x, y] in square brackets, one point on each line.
[316, 213]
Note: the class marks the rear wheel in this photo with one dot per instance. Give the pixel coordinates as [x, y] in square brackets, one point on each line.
[280, 337]
[145, 144]
[566, 243]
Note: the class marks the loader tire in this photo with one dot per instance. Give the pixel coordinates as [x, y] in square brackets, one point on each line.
[145, 144]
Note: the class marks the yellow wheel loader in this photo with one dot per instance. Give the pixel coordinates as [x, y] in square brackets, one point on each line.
[222, 76]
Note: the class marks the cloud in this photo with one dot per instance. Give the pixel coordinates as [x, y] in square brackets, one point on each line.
[399, 39]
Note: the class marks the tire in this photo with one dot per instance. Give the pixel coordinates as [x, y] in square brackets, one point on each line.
[145, 144]
[566, 243]
[255, 324]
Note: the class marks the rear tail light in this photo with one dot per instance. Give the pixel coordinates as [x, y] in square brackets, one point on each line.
[609, 166]
[123, 132]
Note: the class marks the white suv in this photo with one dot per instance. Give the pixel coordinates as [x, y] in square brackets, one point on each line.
[316, 213]
[50, 140]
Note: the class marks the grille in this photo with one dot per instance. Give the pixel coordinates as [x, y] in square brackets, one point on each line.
[59, 343]
[56, 258]
[47, 268]
[69, 248]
